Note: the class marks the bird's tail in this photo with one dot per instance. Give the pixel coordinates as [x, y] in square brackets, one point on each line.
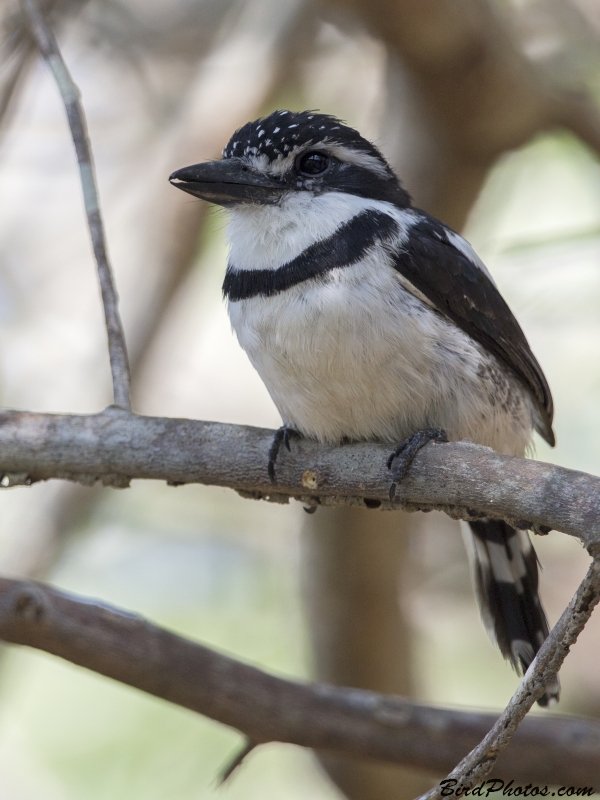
[505, 571]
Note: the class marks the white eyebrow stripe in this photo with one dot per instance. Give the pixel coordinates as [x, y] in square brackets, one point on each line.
[347, 154]
[358, 158]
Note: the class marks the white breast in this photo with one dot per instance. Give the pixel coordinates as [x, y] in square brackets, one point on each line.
[355, 355]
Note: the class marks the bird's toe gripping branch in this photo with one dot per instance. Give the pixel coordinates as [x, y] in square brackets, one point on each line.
[401, 458]
[282, 435]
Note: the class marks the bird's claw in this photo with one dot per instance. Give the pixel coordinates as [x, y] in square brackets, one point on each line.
[401, 458]
[283, 436]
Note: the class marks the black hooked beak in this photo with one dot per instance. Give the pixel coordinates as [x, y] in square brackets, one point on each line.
[227, 183]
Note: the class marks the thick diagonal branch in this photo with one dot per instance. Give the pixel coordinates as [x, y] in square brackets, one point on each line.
[70, 94]
[462, 479]
[266, 708]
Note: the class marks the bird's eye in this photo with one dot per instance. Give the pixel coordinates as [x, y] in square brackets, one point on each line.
[312, 163]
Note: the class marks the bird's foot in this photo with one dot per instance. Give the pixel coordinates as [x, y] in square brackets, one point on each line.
[282, 436]
[402, 457]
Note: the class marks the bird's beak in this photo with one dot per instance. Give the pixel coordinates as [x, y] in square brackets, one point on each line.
[227, 183]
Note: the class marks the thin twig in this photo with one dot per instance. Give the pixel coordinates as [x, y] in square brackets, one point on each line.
[8, 87]
[267, 708]
[70, 94]
[236, 761]
[544, 669]
[18, 49]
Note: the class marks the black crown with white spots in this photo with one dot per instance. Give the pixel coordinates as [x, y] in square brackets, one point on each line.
[277, 135]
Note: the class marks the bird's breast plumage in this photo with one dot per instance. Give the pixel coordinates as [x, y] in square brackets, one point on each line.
[354, 353]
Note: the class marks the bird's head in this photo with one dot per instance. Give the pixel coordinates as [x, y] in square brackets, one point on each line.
[271, 159]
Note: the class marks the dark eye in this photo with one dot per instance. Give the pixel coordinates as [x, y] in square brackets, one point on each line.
[312, 163]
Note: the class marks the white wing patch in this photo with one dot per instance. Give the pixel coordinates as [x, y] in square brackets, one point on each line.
[467, 250]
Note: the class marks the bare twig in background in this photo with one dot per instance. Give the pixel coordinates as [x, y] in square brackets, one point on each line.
[478, 764]
[49, 49]
[176, 225]
[267, 708]
[480, 94]
[236, 761]
[18, 48]
[15, 73]
[460, 478]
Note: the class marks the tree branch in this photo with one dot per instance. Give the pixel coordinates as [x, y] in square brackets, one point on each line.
[482, 95]
[127, 648]
[70, 94]
[579, 113]
[17, 49]
[544, 669]
[464, 480]
[461, 478]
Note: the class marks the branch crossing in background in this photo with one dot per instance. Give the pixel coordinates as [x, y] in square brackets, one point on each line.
[266, 708]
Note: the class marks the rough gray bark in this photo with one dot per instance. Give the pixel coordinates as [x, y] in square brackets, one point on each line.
[124, 646]
[462, 479]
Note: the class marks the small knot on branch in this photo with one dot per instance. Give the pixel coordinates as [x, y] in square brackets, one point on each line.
[15, 479]
[30, 604]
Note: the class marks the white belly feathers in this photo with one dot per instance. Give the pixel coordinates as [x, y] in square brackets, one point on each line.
[353, 354]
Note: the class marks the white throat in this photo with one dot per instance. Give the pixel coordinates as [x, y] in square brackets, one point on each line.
[265, 237]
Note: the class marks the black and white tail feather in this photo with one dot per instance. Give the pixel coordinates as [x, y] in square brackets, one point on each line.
[505, 573]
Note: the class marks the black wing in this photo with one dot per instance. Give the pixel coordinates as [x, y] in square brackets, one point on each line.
[441, 266]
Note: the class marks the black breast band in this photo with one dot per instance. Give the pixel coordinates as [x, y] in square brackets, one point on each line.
[343, 248]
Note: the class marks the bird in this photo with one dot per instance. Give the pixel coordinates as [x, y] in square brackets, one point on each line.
[370, 320]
